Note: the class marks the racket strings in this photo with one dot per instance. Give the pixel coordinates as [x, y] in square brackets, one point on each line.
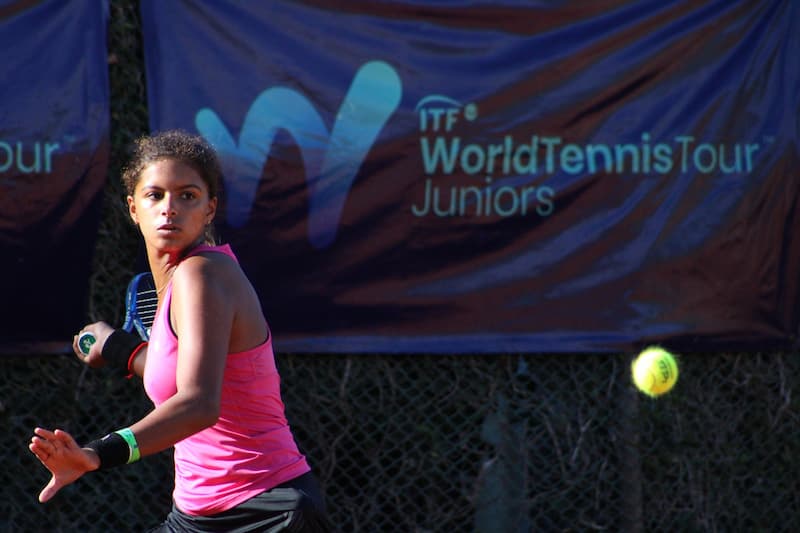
[146, 305]
[141, 303]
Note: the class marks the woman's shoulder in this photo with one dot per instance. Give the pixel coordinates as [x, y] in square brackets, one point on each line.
[208, 265]
[211, 249]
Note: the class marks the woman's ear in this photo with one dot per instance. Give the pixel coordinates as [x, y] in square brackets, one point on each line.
[212, 210]
[132, 210]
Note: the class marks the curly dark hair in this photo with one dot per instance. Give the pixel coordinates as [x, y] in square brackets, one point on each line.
[179, 145]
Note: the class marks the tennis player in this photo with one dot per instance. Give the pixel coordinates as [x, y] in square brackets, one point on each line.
[208, 368]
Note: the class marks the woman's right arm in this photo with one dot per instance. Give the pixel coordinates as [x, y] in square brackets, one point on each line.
[136, 366]
[102, 331]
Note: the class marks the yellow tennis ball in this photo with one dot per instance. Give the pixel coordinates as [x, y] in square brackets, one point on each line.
[654, 371]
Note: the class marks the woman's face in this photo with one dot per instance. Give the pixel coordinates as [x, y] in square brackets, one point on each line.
[171, 205]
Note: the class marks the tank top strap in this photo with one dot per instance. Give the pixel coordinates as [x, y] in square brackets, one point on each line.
[221, 249]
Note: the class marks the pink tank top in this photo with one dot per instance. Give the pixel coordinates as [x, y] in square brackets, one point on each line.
[251, 448]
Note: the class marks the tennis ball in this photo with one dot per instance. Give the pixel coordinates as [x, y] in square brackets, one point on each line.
[654, 371]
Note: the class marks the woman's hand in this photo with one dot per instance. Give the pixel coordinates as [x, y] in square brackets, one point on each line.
[62, 456]
[101, 332]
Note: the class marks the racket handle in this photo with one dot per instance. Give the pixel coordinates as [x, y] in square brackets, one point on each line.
[85, 342]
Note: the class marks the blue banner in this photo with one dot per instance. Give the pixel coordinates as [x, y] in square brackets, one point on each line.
[509, 176]
[54, 146]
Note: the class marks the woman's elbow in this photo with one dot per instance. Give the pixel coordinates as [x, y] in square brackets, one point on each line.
[207, 420]
[204, 412]
[210, 414]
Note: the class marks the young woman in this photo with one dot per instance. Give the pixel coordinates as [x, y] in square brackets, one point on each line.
[208, 368]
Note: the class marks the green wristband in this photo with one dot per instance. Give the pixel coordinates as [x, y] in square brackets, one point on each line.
[133, 446]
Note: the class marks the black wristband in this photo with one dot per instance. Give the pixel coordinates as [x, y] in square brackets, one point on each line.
[112, 449]
[119, 346]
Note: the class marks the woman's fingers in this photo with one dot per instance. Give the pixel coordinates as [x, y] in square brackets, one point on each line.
[39, 452]
[47, 445]
[62, 436]
[62, 456]
[41, 447]
[44, 433]
[49, 490]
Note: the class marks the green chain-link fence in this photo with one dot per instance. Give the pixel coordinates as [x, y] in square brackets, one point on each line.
[430, 443]
[459, 443]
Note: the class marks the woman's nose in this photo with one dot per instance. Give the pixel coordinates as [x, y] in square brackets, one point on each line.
[168, 206]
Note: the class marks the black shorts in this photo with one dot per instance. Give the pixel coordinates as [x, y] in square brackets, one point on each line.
[294, 506]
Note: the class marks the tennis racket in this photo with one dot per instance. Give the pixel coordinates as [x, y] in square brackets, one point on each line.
[141, 302]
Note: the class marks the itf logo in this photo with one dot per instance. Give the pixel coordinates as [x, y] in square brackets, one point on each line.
[331, 158]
